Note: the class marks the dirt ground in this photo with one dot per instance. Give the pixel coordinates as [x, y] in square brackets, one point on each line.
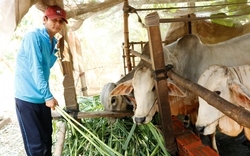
[11, 143]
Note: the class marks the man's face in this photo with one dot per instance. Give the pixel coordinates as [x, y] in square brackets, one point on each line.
[53, 25]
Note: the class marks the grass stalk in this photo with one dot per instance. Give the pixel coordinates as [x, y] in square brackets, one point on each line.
[105, 150]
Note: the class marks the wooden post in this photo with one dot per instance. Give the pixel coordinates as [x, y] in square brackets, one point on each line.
[126, 34]
[68, 81]
[157, 58]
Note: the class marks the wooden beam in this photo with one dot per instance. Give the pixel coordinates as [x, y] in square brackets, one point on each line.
[97, 114]
[239, 114]
[185, 19]
[142, 56]
[157, 58]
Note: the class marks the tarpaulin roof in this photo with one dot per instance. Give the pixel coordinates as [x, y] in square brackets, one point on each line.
[12, 11]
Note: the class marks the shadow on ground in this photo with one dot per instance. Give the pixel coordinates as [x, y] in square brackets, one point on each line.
[230, 146]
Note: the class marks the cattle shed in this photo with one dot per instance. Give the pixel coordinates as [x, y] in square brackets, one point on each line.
[211, 21]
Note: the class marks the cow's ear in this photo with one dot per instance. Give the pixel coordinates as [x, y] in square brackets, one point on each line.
[124, 88]
[174, 90]
[240, 93]
[229, 126]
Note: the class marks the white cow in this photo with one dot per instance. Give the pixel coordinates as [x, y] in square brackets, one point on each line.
[190, 58]
[232, 84]
[146, 98]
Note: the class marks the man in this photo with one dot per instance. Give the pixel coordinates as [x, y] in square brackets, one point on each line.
[34, 100]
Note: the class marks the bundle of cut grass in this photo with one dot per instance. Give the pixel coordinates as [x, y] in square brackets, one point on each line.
[97, 137]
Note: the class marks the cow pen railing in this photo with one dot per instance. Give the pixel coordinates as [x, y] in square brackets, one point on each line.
[132, 58]
[239, 114]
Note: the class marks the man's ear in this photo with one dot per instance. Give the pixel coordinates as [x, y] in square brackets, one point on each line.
[45, 18]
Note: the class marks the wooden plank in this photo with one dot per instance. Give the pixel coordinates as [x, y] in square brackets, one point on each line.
[69, 89]
[68, 81]
[97, 114]
[157, 58]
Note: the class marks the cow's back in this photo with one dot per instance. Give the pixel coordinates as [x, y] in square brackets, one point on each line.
[193, 57]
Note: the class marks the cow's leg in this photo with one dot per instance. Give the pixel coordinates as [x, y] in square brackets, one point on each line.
[213, 141]
[247, 134]
[190, 120]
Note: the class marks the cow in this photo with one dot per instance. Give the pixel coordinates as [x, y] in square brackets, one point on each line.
[190, 58]
[146, 97]
[112, 103]
[232, 84]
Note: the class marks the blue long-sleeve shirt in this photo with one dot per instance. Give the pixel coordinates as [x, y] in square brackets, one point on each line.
[33, 63]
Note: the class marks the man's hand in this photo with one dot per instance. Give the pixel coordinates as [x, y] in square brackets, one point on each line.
[52, 103]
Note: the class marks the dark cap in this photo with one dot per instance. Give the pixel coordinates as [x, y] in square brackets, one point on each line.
[53, 12]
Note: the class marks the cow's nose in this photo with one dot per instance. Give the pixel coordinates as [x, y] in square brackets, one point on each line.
[200, 129]
[140, 120]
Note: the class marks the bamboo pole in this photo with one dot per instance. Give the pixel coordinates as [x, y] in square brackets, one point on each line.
[126, 34]
[61, 137]
[142, 56]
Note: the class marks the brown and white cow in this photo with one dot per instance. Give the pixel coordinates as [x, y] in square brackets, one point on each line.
[146, 98]
[232, 84]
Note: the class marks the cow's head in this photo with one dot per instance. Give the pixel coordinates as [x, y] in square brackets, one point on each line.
[111, 103]
[221, 80]
[146, 96]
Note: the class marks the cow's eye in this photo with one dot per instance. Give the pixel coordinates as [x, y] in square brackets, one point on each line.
[217, 92]
[113, 100]
[153, 89]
